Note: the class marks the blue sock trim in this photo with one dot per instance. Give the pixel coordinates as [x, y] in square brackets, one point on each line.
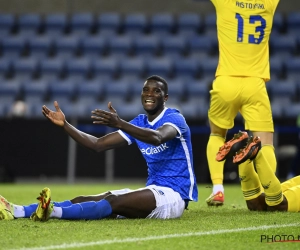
[30, 209]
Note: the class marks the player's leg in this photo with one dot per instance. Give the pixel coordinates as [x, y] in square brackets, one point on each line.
[25, 211]
[84, 198]
[222, 111]
[81, 207]
[257, 113]
[133, 204]
[295, 181]
[251, 186]
[149, 202]
[291, 196]
[19, 211]
[291, 201]
[215, 141]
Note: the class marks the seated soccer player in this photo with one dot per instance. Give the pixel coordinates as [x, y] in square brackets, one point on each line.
[164, 139]
[256, 185]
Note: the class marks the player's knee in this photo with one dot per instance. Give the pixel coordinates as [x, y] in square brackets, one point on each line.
[113, 200]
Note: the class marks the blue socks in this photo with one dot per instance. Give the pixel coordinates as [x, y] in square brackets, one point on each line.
[32, 207]
[90, 210]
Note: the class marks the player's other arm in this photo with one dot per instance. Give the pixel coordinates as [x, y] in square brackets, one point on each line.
[151, 136]
[109, 141]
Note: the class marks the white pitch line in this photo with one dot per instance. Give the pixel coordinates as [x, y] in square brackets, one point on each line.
[161, 237]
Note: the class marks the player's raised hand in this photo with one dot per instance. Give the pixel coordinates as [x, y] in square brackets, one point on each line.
[57, 117]
[109, 118]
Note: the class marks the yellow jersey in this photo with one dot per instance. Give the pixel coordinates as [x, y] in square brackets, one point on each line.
[244, 28]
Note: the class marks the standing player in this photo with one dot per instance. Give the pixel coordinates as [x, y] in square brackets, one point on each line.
[244, 29]
[164, 140]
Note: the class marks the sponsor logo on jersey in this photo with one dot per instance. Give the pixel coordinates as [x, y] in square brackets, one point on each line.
[154, 150]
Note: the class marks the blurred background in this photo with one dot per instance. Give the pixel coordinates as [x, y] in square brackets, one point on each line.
[86, 53]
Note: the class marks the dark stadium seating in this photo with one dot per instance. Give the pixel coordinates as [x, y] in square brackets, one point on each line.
[283, 45]
[55, 24]
[282, 91]
[52, 68]
[291, 111]
[81, 24]
[162, 66]
[66, 46]
[162, 23]
[29, 24]
[62, 91]
[9, 91]
[116, 92]
[292, 67]
[199, 46]
[89, 91]
[176, 91]
[93, 46]
[146, 45]
[105, 68]
[40, 46]
[108, 23]
[209, 66]
[135, 24]
[187, 67]
[13, 46]
[189, 24]
[120, 45]
[35, 91]
[277, 109]
[173, 46]
[5, 68]
[132, 68]
[293, 22]
[276, 67]
[78, 68]
[7, 23]
[25, 68]
[210, 23]
[93, 57]
[278, 23]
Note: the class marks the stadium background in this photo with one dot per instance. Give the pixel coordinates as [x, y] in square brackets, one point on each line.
[84, 53]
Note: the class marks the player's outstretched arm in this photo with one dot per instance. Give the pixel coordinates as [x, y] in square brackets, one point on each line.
[106, 142]
[155, 137]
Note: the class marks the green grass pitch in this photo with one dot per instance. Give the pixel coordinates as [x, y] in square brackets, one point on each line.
[231, 226]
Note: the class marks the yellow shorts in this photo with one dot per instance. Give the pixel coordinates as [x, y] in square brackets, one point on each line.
[247, 95]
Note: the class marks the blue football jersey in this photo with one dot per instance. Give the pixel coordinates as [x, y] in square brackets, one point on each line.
[171, 163]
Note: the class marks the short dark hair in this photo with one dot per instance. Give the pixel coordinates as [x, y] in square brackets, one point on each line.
[159, 79]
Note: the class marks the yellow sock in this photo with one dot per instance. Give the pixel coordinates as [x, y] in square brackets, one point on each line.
[215, 168]
[268, 179]
[293, 197]
[250, 183]
[270, 151]
[290, 183]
